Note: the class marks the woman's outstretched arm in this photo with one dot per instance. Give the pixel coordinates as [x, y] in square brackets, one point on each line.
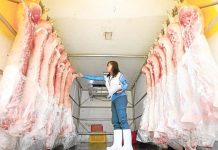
[93, 77]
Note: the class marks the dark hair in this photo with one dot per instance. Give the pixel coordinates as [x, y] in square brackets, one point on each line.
[115, 68]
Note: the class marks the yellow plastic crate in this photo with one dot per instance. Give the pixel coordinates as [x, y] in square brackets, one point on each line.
[97, 137]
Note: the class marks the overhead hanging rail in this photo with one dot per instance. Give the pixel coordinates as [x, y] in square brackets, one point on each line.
[201, 6]
[209, 5]
[7, 24]
[18, 1]
[15, 1]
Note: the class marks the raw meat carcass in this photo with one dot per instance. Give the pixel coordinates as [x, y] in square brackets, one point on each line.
[67, 134]
[49, 51]
[26, 111]
[173, 121]
[61, 113]
[156, 66]
[161, 128]
[144, 122]
[34, 97]
[151, 117]
[51, 81]
[12, 83]
[52, 130]
[175, 35]
[63, 83]
[45, 103]
[67, 128]
[185, 92]
[45, 109]
[58, 76]
[203, 71]
[143, 134]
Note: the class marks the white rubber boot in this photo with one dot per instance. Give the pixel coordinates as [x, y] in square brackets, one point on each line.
[127, 140]
[117, 145]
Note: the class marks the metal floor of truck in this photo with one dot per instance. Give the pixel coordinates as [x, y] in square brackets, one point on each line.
[87, 146]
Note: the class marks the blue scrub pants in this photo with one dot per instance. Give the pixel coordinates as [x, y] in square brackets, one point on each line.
[119, 116]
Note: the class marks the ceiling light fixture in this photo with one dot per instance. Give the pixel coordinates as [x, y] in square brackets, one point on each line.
[108, 35]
